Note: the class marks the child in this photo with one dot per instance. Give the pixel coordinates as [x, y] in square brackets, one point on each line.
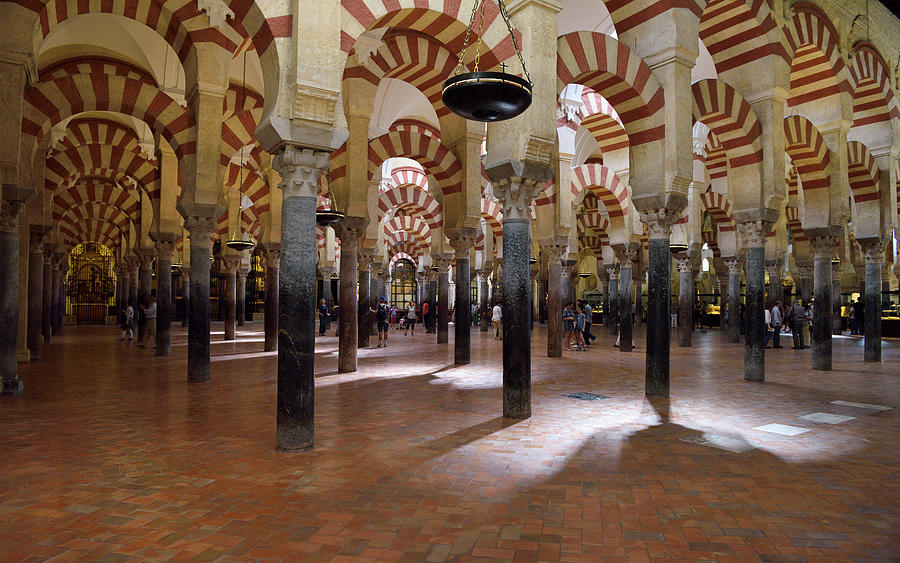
[579, 329]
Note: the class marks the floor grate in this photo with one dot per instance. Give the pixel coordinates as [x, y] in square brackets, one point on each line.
[584, 396]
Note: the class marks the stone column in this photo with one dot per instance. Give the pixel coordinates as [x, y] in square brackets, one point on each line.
[723, 296]
[164, 303]
[326, 285]
[301, 171]
[229, 268]
[201, 229]
[462, 241]
[754, 237]
[836, 297]
[515, 185]
[626, 262]
[872, 320]
[363, 318]
[35, 290]
[821, 328]
[61, 311]
[604, 290]
[804, 271]
[273, 259]
[54, 296]
[659, 228]
[734, 299]
[376, 290]
[685, 303]
[350, 230]
[186, 295]
[612, 318]
[443, 287]
[146, 256]
[485, 316]
[432, 298]
[10, 212]
[421, 284]
[639, 290]
[47, 298]
[133, 275]
[569, 280]
[242, 295]
[554, 251]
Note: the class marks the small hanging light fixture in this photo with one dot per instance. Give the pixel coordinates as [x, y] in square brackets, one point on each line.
[328, 217]
[584, 275]
[487, 95]
[237, 242]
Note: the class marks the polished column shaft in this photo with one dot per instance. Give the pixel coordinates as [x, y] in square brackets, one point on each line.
[349, 328]
[554, 301]
[362, 305]
[625, 296]
[462, 307]
[443, 308]
[612, 318]
[656, 382]
[754, 313]
[241, 304]
[734, 300]
[873, 287]
[485, 315]
[47, 299]
[516, 329]
[821, 328]
[836, 298]
[9, 296]
[54, 301]
[230, 298]
[198, 326]
[35, 296]
[685, 302]
[273, 257]
[164, 303]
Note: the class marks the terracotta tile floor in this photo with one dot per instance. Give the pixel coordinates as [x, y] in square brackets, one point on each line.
[110, 454]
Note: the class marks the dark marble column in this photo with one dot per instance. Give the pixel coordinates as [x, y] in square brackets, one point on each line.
[47, 298]
[626, 261]
[685, 301]
[273, 258]
[229, 268]
[10, 212]
[612, 318]
[443, 308]
[301, 171]
[164, 303]
[659, 228]
[723, 298]
[35, 290]
[54, 297]
[776, 290]
[241, 297]
[186, 295]
[462, 241]
[326, 286]
[146, 281]
[515, 185]
[485, 316]
[198, 327]
[570, 281]
[61, 311]
[133, 275]
[639, 298]
[873, 284]
[604, 290]
[363, 303]
[821, 328]
[804, 286]
[754, 237]
[350, 230]
[376, 290]
[554, 252]
[836, 298]
[432, 300]
[734, 299]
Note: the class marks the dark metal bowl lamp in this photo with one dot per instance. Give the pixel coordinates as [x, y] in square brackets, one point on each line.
[584, 275]
[487, 95]
[331, 216]
[678, 248]
[532, 260]
[239, 244]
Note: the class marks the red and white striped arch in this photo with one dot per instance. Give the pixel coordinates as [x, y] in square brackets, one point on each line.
[863, 173]
[96, 217]
[400, 256]
[411, 198]
[249, 224]
[65, 166]
[50, 101]
[712, 242]
[737, 32]
[602, 121]
[716, 159]
[873, 97]
[608, 67]
[628, 14]
[817, 68]
[719, 209]
[730, 117]
[591, 242]
[793, 185]
[792, 214]
[435, 157]
[547, 196]
[74, 233]
[409, 176]
[409, 224]
[444, 20]
[94, 131]
[596, 223]
[254, 186]
[808, 152]
[605, 184]
[493, 216]
[89, 190]
[421, 61]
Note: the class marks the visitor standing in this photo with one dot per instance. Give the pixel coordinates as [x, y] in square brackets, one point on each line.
[128, 328]
[776, 325]
[497, 320]
[579, 329]
[769, 329]
[852, 314]
[150, 322]
[568, 319]
[860, 317]
[588, 322]
[382, 315]
[410, 318]
[323, 317]
[796, 317]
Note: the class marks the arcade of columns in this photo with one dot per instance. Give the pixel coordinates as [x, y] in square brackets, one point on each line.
[762, 138]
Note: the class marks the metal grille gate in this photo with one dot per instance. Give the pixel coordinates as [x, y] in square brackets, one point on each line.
[90, 283]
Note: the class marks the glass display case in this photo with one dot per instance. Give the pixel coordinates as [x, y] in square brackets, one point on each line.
[890, 314]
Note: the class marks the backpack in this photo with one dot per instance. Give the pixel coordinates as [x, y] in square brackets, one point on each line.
[382, 313]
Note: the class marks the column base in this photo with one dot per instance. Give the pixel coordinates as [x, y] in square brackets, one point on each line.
[12, 387]
[295, 449]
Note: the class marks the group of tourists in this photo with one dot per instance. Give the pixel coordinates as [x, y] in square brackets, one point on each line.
[146, 322]
[797, 319]
[577, 321]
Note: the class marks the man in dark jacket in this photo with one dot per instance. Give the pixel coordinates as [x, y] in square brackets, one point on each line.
[796, 316]
[859, 308]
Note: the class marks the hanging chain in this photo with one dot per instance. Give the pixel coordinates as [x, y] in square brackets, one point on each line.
[462, 52]
[480, 36]
[506, 19]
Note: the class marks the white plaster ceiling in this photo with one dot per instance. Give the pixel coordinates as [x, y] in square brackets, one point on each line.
[584, 15]
[395, 100]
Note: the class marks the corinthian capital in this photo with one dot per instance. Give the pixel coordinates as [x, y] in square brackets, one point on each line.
[872, 248]
[753, 233]
[300, 170]
[462, 240]
[516, 183]
[659, 222]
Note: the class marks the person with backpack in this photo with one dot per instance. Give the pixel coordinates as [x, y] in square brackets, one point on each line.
[382, 314]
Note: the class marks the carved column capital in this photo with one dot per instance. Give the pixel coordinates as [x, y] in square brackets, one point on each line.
[683, 264]
[199, 226]
[733, 265]
[659, 222]
[804, 271]
[350, 230]
[626, 256]
[300, 169]
[442, 262]
[10, 213]
[230, 264]
[165, 249]
[554, 250]
[462, 240]
[872, 249]
[823, 245]
[145, 257]
[366, 259]
[516, 183]
[612, 270]
[273, 257]
[753, 233]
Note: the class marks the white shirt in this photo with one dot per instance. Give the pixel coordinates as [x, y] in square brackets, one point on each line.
[150, 311]
[498, 313]
[768, 317]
